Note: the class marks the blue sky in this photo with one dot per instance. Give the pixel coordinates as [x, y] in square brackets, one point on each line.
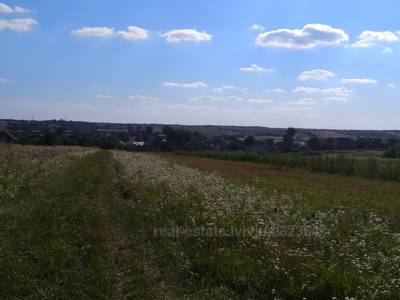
[315, 64]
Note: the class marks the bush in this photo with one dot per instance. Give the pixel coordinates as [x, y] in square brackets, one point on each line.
[393, 152]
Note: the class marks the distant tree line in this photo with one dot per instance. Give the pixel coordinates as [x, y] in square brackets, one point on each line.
[346, 143]
[174, 138]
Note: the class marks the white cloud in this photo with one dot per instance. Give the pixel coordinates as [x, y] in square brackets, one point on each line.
[255, 68]
[100, 32]
[186, 35]
[192, 85]
[310, 36]
[303, 102]
[101, 96]
[259, 100]
[276, 91]
[339, 91]
[228, 87]
[207, 98]
[234, 98]
[257, 27]
[335, 99]
[5, 80]
[133, 33]
[216, 98]
[316, 74]
[230, 99]
[18, 25]
[4, 8]
[359, 81]
[142, 98]
[391, 85]
[371, 38]
[387, 50]
[306, 90]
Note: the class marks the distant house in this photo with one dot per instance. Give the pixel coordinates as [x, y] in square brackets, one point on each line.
[162, 137]
[138, 144]
[133, 142]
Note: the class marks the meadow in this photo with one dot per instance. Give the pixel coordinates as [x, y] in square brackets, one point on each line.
[91, 224]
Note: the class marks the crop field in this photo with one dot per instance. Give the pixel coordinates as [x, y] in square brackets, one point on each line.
[90, 224]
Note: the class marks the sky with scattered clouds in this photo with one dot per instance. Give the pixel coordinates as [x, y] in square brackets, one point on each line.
[305, 63]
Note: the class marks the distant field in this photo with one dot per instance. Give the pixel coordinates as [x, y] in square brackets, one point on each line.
[360, 154]
[88, 224]
[319, 190]
[366, 164]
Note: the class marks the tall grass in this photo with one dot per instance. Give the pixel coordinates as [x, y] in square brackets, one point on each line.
[371, 168]
[89, 226]
[293, 252]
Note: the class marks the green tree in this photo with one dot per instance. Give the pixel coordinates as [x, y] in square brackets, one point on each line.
[288, 140]
[314, 143]
[249, 140]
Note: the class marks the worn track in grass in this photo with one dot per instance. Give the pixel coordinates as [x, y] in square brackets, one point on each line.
[68, 237]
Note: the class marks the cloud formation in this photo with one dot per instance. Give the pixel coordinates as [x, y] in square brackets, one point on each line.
[142, 98]
[303, 102]
[335, 99]
[5, 80]
[216, 98]
[359, 81]
[230, 99]
[192, 85]
[387, 50]
[18, 25]
[339, 91]
[371, 38]
[276, 91]
[229, 87]
[310, 36]
[316, 74]
[259, 100]
[5, 9]
[100, 32]
[255, 68]
[257, 27]
[186, 35]
[133, 33]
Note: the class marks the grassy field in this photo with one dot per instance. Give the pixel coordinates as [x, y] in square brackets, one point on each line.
[321, 190]
[88, 224]
[346, 163]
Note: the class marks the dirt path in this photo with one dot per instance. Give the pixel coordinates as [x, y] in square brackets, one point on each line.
[69, 236]
[132, 274]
